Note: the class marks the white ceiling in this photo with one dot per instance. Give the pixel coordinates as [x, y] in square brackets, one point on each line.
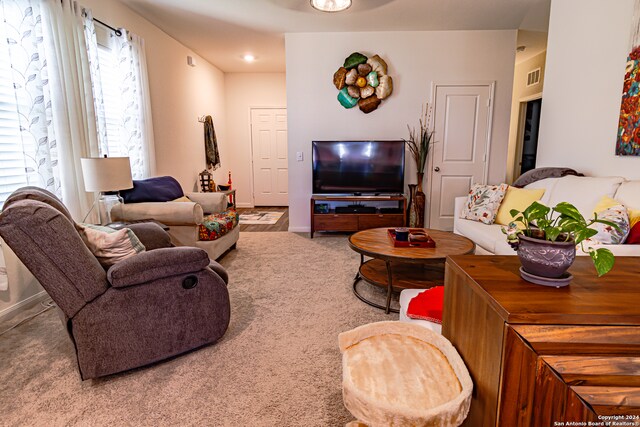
[222, 31]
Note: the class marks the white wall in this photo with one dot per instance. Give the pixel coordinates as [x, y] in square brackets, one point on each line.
[520, 93]
[415, 60]
[242, 92]
[586, 57]
[179, 95]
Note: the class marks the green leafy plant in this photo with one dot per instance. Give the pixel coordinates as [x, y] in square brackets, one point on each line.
[562, 223]
[420, 140]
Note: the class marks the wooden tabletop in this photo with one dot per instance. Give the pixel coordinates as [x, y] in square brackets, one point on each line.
[375, 243]
[613, 299]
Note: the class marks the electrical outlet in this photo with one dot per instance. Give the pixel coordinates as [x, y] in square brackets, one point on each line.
[299, 156]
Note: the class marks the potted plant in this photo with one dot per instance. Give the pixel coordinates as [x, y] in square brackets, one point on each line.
[418, 144]
[546, 243]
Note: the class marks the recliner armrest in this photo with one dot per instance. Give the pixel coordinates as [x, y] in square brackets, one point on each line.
[157, 264]
[170, 213]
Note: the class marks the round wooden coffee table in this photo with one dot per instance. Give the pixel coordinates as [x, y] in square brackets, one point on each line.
[403, 268]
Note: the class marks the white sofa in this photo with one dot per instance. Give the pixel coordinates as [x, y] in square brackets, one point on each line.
[583, 192]
[183, 219]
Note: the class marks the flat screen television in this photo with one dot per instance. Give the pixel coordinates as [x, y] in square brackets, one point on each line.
[358, 167]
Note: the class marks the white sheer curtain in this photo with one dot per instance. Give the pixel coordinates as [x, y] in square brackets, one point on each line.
[74, 117]
[137, 126]
[96, 79]
[33, 147]
[54, 97]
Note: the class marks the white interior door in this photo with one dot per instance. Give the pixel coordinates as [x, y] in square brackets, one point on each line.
[462, 115]
[269, 151]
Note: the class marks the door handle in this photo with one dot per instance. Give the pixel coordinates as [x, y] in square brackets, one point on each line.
[437, 169]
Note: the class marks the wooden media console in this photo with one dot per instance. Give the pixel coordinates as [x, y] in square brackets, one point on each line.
[333, 221]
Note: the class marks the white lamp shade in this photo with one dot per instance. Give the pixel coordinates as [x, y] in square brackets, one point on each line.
[106, 174]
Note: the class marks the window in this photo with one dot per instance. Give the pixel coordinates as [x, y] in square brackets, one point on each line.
[13, 174]
[112, 100]
[110, 87]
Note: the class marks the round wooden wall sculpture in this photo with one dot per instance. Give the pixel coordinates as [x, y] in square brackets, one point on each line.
[363, 81]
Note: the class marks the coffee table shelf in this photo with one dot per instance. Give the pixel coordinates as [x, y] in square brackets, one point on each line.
[404, 276]
[396, 268]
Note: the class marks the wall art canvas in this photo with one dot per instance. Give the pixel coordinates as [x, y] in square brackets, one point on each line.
[628, 140]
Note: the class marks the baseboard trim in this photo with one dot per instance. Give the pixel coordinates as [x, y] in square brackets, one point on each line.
[23, 305]
[245, 205]
[299, 229]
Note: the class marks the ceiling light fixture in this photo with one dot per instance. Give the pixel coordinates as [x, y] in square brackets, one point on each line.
[249, 58]
[331, 5]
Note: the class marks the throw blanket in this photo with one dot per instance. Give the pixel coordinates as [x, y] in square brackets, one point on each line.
[542, 173]
[211, 144]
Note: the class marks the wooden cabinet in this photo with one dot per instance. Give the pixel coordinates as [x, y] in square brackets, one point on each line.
[539, 355]
[379, 220]
[333, 221]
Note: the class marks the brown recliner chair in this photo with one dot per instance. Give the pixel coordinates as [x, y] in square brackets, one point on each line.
[146, 308]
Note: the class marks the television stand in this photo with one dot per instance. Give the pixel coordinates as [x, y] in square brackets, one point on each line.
[332, 221]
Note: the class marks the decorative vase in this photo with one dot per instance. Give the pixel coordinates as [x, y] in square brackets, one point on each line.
[411, 218]
[544, 258]
[419, 201]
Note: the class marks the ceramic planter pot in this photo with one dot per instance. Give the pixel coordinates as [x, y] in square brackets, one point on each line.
[546, 259]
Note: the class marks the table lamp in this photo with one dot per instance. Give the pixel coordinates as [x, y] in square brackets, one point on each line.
[107, 175]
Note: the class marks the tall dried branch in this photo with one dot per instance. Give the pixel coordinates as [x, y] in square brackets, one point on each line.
[420, 140]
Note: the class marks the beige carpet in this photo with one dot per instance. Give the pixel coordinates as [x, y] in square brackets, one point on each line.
[277, 365]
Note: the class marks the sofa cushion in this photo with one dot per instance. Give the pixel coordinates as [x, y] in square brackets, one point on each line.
[583, 192]
[215, 226]
[519, 199]
[108, 245]
[158, 189]
[629, 194]
[634, 236]
[548, 185]
[607, 202]
[488, 237]
[607, 234]
[483, 202]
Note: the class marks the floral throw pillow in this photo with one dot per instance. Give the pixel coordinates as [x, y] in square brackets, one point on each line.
[483, 202]
[607, 234]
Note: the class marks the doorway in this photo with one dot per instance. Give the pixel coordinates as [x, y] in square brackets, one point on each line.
[527, 148]
[269, 157]
[462, 125]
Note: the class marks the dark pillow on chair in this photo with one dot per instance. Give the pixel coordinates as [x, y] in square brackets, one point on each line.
[159, 189]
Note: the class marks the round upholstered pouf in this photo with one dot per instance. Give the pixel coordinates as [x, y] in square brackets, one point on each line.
[402, 374]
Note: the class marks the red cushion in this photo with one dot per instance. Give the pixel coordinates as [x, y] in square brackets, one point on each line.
[634, 235]
[427, 305]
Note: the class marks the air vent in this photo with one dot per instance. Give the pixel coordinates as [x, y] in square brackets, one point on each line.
[533, 78]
